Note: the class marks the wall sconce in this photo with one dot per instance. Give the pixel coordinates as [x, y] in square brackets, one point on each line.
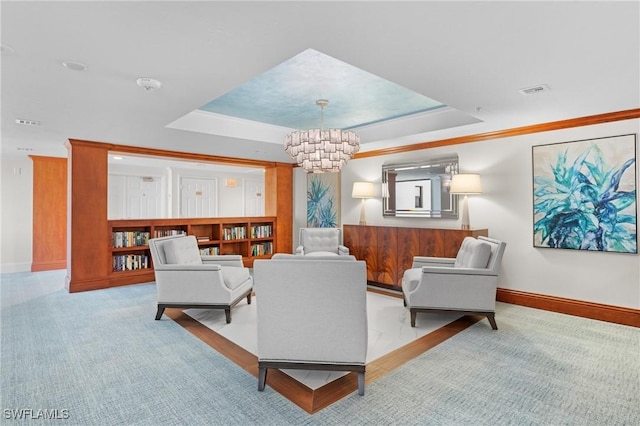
[363, 190]
[230, 182]
[466, 183]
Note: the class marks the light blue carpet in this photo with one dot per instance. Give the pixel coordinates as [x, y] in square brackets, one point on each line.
[101, 356]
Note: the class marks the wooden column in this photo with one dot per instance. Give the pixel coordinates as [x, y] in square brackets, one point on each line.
[278, 188]
[88, 257]
[49, 213]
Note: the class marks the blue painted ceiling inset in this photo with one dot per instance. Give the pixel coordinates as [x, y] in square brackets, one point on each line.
[286, 96]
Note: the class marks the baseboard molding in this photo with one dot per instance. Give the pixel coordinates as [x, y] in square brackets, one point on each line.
[10, 268]
[596, 311]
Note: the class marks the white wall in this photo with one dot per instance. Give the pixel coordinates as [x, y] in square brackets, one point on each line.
[505, 209]
[16, 211]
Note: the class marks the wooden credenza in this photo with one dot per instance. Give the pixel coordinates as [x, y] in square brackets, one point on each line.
[388, 251]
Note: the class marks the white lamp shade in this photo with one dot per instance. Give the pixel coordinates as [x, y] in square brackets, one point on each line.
[466, 183]
[363, 190]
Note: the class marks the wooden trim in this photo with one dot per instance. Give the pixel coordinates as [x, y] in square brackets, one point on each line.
[314, 400]
[596, 311]
[140, 151]
[48, 265]
[516, 131]
[49, 238]
[88, 261]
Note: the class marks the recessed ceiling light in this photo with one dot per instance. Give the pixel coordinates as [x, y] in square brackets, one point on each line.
[6, 50]
[75, 66]
[117, 157]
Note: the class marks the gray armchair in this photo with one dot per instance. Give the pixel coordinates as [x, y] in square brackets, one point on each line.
[466, 284]
[311, 314]
[321, 242]
[184, 279]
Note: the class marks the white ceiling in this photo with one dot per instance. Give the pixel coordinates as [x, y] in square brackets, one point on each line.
[472, 56]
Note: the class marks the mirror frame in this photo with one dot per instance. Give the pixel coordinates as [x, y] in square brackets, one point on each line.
[448, 166]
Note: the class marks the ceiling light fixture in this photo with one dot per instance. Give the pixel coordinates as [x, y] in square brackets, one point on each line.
[148, 84]
[319, 150]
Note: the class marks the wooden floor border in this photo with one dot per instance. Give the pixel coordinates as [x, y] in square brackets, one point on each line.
[314, 400]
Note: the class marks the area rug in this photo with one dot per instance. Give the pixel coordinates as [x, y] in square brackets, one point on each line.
[392, 342]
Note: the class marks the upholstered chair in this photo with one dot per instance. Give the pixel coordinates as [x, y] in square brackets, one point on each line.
[311, 314]
[321, 242]
[184, 279]
[466, 284]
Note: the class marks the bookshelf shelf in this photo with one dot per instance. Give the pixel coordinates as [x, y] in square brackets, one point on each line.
[251, 237]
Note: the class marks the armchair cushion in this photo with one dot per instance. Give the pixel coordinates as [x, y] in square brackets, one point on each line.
[182, 251]
[234, 276]
[473, 254]
[322, 253]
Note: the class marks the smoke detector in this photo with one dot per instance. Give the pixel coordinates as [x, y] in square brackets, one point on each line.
[535, 89]
[148, 84]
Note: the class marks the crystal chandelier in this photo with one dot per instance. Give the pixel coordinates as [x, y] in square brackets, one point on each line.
[319, 150]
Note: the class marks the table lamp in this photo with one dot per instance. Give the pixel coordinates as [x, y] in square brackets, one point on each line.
[363, 190]
[466, 183]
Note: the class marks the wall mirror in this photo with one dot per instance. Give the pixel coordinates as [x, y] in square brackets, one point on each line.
[420, 189]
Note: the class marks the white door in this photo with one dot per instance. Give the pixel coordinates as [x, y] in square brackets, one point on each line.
[254, 198]
[198, 197]
[144, 197]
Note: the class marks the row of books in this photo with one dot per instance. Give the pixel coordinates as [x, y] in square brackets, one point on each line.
[130, 262]
[168, 232]
[262, 249]
[130, 239]
[261, 231]
[209, 251]
[234, 233]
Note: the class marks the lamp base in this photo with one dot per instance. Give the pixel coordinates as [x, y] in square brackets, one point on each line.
[466, 224]
[363, 215]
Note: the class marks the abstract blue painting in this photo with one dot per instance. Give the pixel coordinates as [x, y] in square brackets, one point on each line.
[584, 195]
[323, 200]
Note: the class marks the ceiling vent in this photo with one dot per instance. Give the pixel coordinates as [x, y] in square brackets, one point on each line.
[535, 89]
[27, 122]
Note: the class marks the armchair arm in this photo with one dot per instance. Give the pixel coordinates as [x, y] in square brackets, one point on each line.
[420, 261]
[223, 260]
[343, 250]
[457, 271]
[187, 267]
[454, 288]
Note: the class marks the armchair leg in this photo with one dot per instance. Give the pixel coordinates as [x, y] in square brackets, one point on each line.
[492, 320]
[227, 314]
[262, 378]
[160, 312]
[413, 317]
[361, 383]
[249, 298]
